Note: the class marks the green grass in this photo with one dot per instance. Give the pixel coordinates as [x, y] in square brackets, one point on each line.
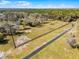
[58, 50]
[35, 32]
[36, 43]
[45, 27]
[18, 54]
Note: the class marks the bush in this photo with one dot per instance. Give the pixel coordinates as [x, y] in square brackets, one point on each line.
[34, 23]
[72, 42]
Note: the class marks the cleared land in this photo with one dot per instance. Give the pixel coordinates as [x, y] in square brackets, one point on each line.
[46, 44]
[37, 28]
[35, 31]
[58, 50]
[38, 42]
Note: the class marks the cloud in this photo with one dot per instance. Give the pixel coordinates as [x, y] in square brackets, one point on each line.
[54, 6]
[22, 4]
[3, 2]
[16, 4]
[26, 4]
[65, 6]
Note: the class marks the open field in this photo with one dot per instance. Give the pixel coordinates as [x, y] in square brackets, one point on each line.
[52, 34]
[36, 43]
[35, 32]
[58, 50]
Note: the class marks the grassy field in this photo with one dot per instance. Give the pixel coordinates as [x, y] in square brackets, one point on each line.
[53, 51]
[24, 50]
[43, 25]
[44, 28]
[29, 47]
[60, 48]
[35, 31]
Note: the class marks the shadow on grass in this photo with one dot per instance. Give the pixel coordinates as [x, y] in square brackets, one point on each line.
[17, 33]
[2, 42]
[45, 22]
[27, 28]
[41, 25]
[77, 46]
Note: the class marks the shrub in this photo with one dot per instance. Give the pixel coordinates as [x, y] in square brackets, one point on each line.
[72, 42]
[34, 23]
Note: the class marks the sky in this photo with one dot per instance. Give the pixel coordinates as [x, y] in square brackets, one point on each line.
[39, 3]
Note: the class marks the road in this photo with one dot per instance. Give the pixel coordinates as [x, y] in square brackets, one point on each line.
[45, 45]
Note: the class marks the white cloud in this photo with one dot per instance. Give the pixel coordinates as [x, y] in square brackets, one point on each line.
[16, 4]
[26, 4]
[3, 2]
[66, 6]
[22, 4]
[54, 6]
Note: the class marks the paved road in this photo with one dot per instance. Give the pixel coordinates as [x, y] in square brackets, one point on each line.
[45, 45]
